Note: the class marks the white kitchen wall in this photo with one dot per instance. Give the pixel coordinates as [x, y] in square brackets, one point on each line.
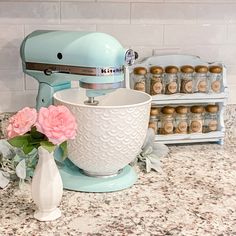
[206, 28]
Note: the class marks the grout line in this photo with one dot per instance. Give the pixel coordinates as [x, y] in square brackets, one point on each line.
[130, 12]
[22, 68]
[60, 12]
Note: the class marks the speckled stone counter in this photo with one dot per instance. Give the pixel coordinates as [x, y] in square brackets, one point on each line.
[195, 195]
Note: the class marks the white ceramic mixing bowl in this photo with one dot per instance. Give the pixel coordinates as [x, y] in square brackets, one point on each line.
[111, 134]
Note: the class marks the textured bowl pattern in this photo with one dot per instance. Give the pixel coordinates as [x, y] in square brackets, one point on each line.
[108, 139]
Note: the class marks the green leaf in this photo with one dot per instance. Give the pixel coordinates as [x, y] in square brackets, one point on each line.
[48, 146]
[28, 148]
[19, 141]
[64, 149]
[36, 135]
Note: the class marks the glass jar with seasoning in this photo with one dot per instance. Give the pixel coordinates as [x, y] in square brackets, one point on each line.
[171, 80]
[167, 120]
[196, 119]
[215, 78]
[181, 120]
[139, 79]
[186, 79]
[211, 118]
[201, 79]
[156, 80]
[154, 120]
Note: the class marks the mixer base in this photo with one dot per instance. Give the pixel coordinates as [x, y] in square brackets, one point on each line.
[73, 178]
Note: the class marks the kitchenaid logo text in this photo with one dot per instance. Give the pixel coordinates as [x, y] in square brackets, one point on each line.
[109, 71]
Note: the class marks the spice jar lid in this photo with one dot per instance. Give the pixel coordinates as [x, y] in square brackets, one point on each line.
[215, 69]
[212, 108]
[154, 111]
[156, 70]
[181, 110]
[140, 71]
[197, 109]
[201, 69]
[172, 69]
[168, 110]
[187, 69]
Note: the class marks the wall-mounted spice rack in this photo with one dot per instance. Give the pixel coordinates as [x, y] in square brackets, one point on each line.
[186, 99]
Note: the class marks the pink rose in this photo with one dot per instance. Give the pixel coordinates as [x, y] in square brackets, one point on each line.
[21, 122]
[57, 123]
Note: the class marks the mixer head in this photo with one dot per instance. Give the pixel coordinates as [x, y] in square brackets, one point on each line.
[55, 58]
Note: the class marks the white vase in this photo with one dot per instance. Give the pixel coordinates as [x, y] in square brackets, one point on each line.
[47, 187]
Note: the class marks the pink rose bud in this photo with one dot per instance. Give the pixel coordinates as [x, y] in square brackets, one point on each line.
[21, 122]
[57, 123]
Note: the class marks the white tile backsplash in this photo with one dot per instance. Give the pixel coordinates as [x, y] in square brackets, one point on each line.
[31, 83]
[11, 35]
[206, 28]
[10, 58]
[15, 100]
[135, 35]
[194, 34]
[95, 13]
[216, 13]
[11, 80]
[29, 12]
[78, 27]
[160, 13]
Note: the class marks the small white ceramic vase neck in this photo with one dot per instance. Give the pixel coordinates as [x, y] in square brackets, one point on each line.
[47, 187]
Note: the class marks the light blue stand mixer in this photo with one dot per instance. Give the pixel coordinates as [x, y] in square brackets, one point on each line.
[98, 62]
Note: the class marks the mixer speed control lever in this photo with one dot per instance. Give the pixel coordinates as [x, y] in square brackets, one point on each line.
[49, 71]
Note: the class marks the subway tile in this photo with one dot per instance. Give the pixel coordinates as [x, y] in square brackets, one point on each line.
[31, 0]
[129, 1]
[11, 80]
[79, 0]
[166, 51]
[227, 54]
[194, 34]
[13, 101]
[135, 34]
[231, 77]
[143, 52]
[208, 53]
[216, 13]
[29, 12]
[231, 37]
[31, 83]
[82, 27]
[200, 1]
[10, 58]
[232, 94]
[162, 13]
[95, 13]
[11, 35]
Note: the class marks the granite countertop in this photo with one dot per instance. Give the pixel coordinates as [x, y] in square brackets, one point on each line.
[194, 195]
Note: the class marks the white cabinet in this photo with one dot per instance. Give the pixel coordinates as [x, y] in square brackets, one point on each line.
[189, 99]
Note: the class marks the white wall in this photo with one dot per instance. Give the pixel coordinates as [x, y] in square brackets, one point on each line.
[202, 27]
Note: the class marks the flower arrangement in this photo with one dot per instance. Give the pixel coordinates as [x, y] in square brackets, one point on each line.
[50, 127]
[27, 131]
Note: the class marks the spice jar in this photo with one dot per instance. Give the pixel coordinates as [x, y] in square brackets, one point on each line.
[167, 120]
[196, 119]
[215, 79]
[171, 79]
[156, 80]
[211, 118]
[201, 79]
[181, 120]
[139, 79]
[186, 79]
[154, 119]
